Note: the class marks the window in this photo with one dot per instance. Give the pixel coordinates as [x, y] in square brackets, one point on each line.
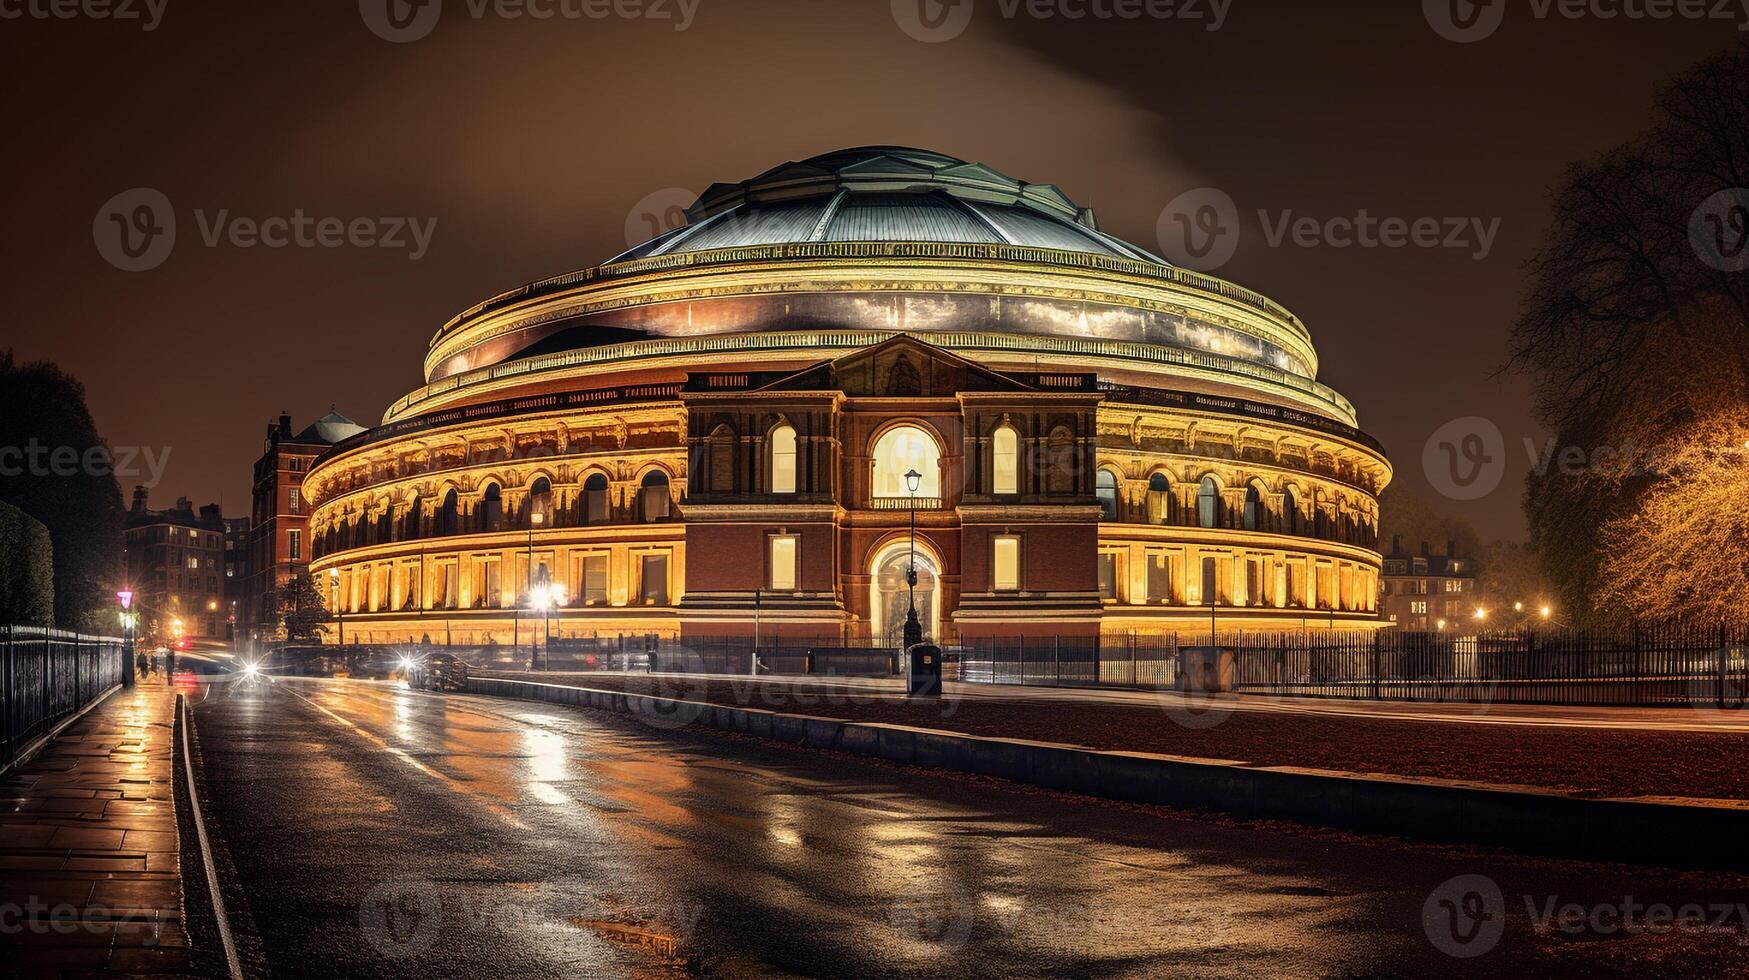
[410, 523]
[654, 497]
[492, 509]
[1254, 582]
[1108, 576]
[720, 467]
[1107, 492]
[1253, 509]
[653, 580]
[194, 563]
[783, 562]
[595, 499]
[1005, 576]
[447, 514]
[783, 460]
[595, 580]
[1211, 582]
[491, 585]
[1290, 512]
[1208, 503]
[540, 503]
[1005, 460]
[293, 500]
[900, 450]
[1159, 499]
[294, 545]
[1159, 578]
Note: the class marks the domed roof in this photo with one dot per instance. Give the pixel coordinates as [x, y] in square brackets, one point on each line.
[330, 428]
[887, 194]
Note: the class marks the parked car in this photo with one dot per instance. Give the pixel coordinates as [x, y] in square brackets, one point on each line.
[439, 672]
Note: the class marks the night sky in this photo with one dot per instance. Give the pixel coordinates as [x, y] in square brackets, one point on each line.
[532, 143]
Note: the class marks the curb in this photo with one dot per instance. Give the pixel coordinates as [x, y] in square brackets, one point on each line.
[1646, 830]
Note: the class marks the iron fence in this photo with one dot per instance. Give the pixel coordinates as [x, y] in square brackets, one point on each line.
[1645, 667]
[48, 675]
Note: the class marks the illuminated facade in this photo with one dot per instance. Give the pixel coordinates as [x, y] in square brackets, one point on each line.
[712, 430]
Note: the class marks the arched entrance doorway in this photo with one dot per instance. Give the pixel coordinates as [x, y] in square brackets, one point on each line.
[891, 597]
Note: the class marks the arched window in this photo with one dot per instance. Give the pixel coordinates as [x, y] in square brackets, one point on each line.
[386, 524]
[1159, 499]
[540, 502]
[1208, 503]
[1290, 512]
[1062, 461]
[492, 509]
[1253, 509]
[410, 520]
[783, 459]
[448, 515]
[900, 450]
[1005, 460]
[1107, 492]
[595, 499]
[654, 497]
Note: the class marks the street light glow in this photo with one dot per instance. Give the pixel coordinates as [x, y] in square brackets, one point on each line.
[1481, 614]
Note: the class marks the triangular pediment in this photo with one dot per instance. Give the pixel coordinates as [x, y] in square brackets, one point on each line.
[903, 367]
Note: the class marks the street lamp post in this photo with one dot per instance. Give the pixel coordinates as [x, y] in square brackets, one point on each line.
[535, 517]
[913, 628]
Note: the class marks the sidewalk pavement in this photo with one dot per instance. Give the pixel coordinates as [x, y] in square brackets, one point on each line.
[89, 879]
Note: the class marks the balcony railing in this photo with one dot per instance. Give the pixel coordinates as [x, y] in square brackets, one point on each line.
[905, 503]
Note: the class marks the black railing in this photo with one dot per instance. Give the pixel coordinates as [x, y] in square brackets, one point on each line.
[48, 675]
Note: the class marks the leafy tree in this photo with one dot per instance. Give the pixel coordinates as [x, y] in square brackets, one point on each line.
[40, 406]
[27, 586]
[1404, 514]
[1634, 329]
[303, 614]
[1683, 552]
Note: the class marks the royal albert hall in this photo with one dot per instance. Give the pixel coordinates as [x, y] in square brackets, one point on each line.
[716, 428]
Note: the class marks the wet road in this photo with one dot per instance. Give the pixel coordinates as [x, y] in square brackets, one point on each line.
[373, 831]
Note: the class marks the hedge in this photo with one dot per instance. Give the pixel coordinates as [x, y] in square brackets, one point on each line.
[27, 570]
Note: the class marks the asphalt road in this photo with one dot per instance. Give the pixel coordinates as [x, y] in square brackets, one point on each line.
[368, 830]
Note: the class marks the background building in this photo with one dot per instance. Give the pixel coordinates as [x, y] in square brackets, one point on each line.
[1424, 591]
[710, 433]
[176, 565]
[278, 544]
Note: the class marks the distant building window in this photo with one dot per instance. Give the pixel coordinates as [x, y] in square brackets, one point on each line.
[783, 460]
[194, 563]
[1005, 460]
[783, 562]
[903, 449]
[293, 499]
[294, 545]
[1005, 576]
